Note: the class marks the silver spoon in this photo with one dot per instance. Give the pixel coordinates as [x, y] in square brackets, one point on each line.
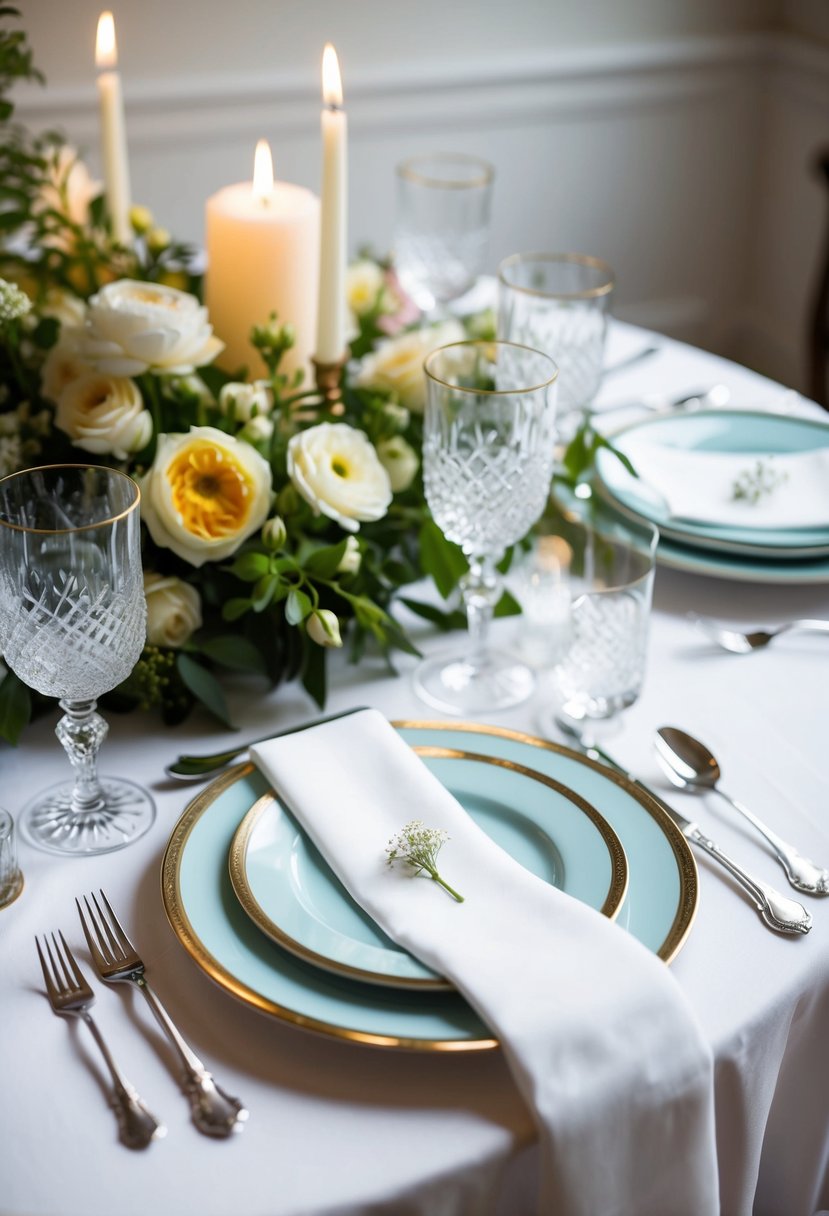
[690, 766]
[743, 643]
[717, 395]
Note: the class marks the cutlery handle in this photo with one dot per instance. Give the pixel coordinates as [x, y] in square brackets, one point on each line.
[777, 911]
[214, 1112]
[804, 875]
[805, 627]
[136, 1125]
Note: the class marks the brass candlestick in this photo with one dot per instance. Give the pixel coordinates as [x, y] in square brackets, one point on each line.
[329, 381]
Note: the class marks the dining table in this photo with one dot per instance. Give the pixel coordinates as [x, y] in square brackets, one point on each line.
[340, 1125]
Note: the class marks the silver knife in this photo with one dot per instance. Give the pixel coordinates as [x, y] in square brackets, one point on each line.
[780, 913]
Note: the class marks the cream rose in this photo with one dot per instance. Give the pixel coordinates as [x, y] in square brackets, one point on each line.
[400, 461]
[173, 610]
[205, 493]
[337, 470]
[63, 365]
[364, 286]
[397, 364]
[66, 307]
[104, 415]
[136, 327]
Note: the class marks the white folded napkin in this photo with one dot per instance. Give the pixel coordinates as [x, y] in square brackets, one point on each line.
[597, 1032]
[699, 486]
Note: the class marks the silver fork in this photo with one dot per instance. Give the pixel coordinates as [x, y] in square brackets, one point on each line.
[70, 994]
[116, 960]
[743, 643]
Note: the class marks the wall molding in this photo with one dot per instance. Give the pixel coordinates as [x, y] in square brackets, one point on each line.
[575, 81]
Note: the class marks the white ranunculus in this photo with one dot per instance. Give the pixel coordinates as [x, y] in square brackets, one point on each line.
[104, 415]
[246, 400]
[173, 610]
[397, 364]
[205, 493]
[136, 327]
[337, 470]
[400, 461]
[324, 628]
[352, 558]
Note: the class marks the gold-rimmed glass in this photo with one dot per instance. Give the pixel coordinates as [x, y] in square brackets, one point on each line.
[559, 303]
[72, 626]
[488, 439]
[441, 226]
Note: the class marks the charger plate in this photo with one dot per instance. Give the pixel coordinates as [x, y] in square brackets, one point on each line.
[290, 893]
[214, 929]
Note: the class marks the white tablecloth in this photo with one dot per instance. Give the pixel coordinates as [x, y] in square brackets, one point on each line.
[339, 1128]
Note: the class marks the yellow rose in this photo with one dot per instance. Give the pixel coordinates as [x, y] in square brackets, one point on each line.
[337, 470]
[136, 327]
[104, 415]
[205, 493]
[397, 364]
[173, 610]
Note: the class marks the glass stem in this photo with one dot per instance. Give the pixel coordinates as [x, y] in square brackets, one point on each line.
[481, 589]
[82, 731]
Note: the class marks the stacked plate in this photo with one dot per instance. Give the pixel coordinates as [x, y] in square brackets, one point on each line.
[259, 910]
[738, 494]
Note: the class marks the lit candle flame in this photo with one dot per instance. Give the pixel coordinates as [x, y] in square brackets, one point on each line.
[106, 50]
[263, 172]
[332, 86]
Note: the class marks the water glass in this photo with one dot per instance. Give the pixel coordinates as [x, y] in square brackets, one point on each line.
[11, 880]
[602, 667]
[488, 437]
[441, 226]
[558, 303]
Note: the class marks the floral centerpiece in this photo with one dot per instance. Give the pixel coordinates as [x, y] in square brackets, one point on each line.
[275, 527]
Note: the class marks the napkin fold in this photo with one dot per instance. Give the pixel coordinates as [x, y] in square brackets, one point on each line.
[698, 486]
[597, 1033]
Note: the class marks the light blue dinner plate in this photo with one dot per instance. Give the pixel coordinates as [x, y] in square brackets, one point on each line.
[218, 934]
[287, 888]
[752, 432]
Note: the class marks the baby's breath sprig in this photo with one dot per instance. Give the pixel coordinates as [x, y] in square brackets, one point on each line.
[418, 846]
[758, 482]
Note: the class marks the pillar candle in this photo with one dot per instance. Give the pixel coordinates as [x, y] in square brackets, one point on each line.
[331, 324]
[113, 131]
[262, 241]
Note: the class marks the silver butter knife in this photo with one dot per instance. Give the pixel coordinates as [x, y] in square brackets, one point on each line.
[778, 912]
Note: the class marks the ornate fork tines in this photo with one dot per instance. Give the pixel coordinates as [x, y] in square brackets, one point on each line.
[69, 994]
[117, 961]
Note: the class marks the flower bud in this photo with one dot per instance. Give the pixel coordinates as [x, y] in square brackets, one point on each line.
[158, 239]
[324, 628]
[274, 533]
[258, 430]
[400, 461]
[351, 559]
[141, 219]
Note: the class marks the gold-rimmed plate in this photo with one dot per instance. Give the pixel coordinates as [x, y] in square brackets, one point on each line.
[290, 893]
[211, 925]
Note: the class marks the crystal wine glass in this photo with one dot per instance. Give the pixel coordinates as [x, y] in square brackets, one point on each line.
[441, 226]
[558, 302]
[488, 438]
[72, 626]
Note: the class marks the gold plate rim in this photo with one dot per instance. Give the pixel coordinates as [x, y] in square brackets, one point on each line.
[610, 908]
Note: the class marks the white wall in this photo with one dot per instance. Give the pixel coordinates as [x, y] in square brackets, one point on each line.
[669, 136]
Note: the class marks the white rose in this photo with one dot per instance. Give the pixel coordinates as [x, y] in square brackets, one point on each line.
[173, 610]
[63, 364]
[337, 470]
[246, 400]
[364, 286]
[136, 327]
[65, 307]
[324, 628]
[104, 415]
[397, 364]
[400, 461]
[205, 493]
[352, 557]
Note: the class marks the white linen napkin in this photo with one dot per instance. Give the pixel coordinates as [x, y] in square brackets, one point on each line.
[698, 486]
[596, 1031]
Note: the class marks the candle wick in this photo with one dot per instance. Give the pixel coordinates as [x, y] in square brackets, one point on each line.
[334, 106]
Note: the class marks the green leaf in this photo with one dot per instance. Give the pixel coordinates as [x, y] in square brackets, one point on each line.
[264, 592]
[297, 606]
[507, 606]
[576, 455]
[237, 653]
[15, 708]
[601, 442]
[204, 686]
[45, 333]
[440, 558]
[234, 608]
[314, 675]
[437, 616]
[250, 567]
[324, 562]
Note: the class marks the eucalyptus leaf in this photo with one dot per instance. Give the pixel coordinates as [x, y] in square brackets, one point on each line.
[15, 708]
[297, 606]
[204, 686]
[440, 558]
[237, 653]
